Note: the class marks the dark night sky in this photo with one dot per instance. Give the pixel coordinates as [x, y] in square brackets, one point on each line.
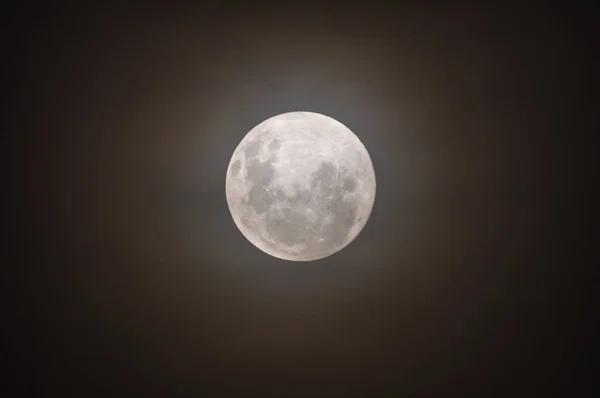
[134, 278]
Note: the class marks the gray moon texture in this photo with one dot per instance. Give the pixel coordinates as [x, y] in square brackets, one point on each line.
[300, 186]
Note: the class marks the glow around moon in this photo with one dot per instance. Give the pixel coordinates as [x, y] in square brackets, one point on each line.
[300, 186]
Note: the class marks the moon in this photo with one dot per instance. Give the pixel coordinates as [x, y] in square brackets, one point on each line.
[300, 186]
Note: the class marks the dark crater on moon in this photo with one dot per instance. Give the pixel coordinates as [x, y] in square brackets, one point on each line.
[290, 223]
[235, 168]
[259, 199]
[260, 174]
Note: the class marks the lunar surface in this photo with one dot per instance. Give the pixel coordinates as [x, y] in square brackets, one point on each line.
[300, 186]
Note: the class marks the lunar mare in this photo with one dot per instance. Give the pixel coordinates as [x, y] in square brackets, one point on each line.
[300, 186]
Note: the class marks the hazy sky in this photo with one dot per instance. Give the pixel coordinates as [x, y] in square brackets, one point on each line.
[138, 279]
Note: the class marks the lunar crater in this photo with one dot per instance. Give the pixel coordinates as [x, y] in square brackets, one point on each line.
[235, 168]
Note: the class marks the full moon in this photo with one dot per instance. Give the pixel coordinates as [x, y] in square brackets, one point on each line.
[300, 186]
